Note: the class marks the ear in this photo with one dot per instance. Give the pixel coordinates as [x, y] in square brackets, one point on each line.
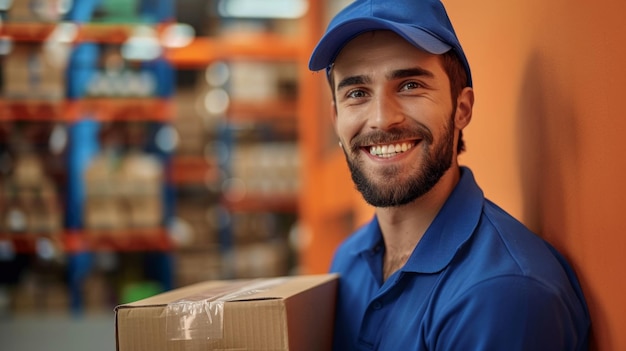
[464, 106]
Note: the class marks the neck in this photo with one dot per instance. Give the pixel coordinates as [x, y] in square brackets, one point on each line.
[403, 227]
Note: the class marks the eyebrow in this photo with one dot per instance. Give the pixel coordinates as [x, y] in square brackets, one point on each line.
[352, 80]
[410, 72]
[397, 74]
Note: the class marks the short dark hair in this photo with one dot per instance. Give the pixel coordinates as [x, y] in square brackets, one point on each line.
[457, 76]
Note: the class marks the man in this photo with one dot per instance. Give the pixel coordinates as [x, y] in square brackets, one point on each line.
[439, 267]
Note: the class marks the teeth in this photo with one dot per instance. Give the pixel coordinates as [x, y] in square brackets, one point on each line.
[390, 150]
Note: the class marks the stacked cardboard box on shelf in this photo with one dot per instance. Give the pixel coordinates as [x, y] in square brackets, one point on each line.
[194, 266]
[262, 81]
[40, 291]
[30, 201]
[200, 221]
[189, 123]
[261, 246]
[97, 293]
[36, 11]
[123, 192]
[270, 168]
[31, 72]
[261, 259]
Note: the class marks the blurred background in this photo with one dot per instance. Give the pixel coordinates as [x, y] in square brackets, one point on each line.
[151, 144]
[147, 145]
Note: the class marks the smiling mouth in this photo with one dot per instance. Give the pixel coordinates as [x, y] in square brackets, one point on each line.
[389, 150]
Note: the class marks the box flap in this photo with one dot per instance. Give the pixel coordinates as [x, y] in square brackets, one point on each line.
[177, 294]
[262, 314]
[283, 287]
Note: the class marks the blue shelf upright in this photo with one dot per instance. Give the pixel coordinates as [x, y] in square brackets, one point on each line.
[84, 63]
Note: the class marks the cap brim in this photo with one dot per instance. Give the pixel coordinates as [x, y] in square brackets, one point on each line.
[335, 39]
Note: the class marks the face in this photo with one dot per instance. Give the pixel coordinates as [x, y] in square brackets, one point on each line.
[395, 118]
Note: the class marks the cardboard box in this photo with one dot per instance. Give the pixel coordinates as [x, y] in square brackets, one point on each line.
[285, 313]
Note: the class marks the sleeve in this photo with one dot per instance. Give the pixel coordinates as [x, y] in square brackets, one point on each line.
[506, 313]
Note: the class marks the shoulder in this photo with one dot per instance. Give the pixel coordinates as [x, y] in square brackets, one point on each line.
[514, 287]
[533, 255]
[502, 246]
[514, 312]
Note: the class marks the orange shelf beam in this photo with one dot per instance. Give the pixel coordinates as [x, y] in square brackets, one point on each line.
[104, 33]
[204, 50]
[27, 32]
[32, 110]
[193, 170]
[264, 203]
[150, 239]
[126, 109]
[112, 33]
[124, 240]
[265, 110]
[105, 109]
[26, 243]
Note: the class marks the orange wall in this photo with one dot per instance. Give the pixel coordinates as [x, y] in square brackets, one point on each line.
[544, 143]
[545, 140]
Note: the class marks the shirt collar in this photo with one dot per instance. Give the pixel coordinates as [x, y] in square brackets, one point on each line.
[453, 226]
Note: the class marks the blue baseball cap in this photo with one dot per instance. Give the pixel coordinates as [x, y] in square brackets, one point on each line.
[423, 23]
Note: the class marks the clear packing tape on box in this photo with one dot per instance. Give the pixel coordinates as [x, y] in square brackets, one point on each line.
[201, 316]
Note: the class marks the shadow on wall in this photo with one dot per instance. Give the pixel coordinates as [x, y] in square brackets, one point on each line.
[547, 145]
[548, 142]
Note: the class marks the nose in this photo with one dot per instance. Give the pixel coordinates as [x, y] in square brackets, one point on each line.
[386, 112]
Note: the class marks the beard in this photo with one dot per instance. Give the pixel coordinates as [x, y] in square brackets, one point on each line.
[400, 189]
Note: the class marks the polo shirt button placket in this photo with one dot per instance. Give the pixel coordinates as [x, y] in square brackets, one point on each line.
[370, 326]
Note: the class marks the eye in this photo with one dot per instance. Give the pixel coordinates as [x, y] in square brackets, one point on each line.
[411, 86]
[356, 94]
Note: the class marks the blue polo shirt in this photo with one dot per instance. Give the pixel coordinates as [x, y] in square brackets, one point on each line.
[477, 280]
